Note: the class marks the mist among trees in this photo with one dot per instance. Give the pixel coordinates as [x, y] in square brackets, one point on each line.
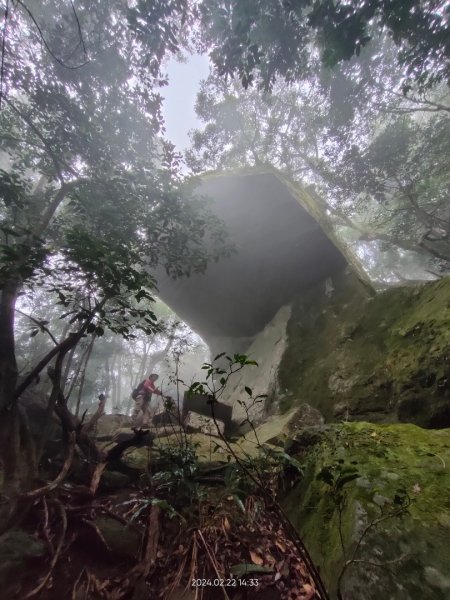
[349, 100]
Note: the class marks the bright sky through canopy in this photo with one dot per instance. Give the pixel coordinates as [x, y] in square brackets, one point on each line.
[180, 96]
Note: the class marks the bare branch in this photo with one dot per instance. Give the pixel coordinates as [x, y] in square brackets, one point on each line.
[39, 324]
[64, 346]
[78, 27]
[41, 35]
[44, 581]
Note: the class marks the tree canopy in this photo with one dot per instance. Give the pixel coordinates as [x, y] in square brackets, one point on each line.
[265, 40]
[376, 158]
[90, 193]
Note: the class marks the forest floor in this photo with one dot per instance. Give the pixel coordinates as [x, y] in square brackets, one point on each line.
[195, 541]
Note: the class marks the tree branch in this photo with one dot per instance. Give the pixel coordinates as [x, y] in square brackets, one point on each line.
[44, 41]
[64, 346]
[39, 324]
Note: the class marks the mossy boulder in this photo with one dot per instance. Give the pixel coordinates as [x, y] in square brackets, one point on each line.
[123, 542]
[113, 480]
[137, 458]
[358, 356]
[108, 425]
[403, 557]
[279, 430]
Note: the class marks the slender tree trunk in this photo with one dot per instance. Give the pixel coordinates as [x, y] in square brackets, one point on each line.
[143, 367]
[28, 445]
[65, 348]
[157, 357]
[84, 357]
[9, 413]
[119, 381]
[108, 379]
[113, 381]
[83, 375]
[67, 369]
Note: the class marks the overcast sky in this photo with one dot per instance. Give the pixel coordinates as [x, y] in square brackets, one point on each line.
[180, 96]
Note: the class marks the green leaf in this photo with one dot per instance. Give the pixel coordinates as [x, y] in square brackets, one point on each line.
[346, 479]
[138, 512]
[293, 462]
[239, 503]
[326, 476]
[164, 505]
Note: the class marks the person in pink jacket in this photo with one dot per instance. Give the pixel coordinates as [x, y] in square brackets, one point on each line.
[144, 411]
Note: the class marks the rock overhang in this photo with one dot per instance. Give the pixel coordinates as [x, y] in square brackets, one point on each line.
[280, 249]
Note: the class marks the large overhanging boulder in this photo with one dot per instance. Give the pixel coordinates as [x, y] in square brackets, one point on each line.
[283, 245]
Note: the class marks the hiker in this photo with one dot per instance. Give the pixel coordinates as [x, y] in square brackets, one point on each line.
[143, 411]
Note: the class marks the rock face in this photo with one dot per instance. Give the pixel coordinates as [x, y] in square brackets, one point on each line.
[381, 358]
[204, 424]
[387, 461]
[199, 405]
[280, 250]
[267, 350]
[319, 334]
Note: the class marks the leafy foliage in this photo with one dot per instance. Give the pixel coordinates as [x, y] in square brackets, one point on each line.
[266, 40]
[90, 204]
[176, 472]
[374, 160]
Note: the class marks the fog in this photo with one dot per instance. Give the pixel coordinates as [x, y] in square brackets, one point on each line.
[240, 209]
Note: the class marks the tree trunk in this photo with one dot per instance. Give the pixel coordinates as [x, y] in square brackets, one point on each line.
[83, 375]
[9, 414]
[143, 366]
[113, 380]
[67, 369]
[119, 382]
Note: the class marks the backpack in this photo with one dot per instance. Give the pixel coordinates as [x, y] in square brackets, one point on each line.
[135, 392]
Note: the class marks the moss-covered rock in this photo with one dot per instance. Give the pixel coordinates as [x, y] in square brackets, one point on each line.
[108, 425]
[113, 480]
[279, 430]
[380, 358]
[122, 541]
[387, 461]
[137, 458]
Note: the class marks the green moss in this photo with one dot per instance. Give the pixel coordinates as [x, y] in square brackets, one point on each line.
[387, 457]
[381, 358]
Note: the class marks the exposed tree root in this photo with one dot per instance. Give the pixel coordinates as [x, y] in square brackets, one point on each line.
[60, 478]
[43, 583]
[226, 547]
[152, 540]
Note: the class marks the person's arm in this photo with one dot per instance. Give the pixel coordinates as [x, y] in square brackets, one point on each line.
[153, 389]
